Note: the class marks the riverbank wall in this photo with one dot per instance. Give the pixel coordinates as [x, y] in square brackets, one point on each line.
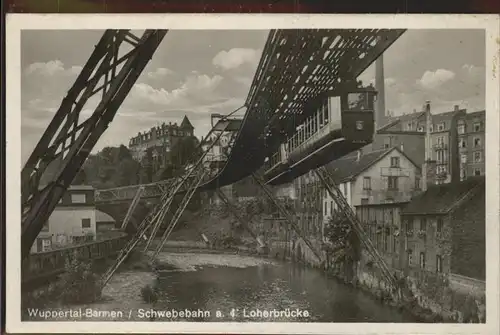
[430, 296]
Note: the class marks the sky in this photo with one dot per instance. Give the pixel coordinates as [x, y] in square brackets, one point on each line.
[196, 73]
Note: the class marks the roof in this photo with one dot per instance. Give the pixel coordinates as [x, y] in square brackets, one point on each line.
[441, 199]
[398, 122]
[384, 204]
[348, 167]
[186, 123]
[103, 217]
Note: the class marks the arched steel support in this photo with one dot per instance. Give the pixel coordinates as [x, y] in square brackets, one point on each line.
[68, 140]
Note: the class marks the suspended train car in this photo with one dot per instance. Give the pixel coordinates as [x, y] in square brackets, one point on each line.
[341, 122]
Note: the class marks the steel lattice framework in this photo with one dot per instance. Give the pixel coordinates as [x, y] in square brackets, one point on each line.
[296, 67]
[68, 140]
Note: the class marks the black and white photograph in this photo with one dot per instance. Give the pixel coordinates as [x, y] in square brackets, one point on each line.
[291, 174]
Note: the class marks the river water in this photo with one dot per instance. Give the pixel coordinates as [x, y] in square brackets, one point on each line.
[215, 287]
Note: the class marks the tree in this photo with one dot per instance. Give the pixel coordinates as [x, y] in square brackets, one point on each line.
[185, 151]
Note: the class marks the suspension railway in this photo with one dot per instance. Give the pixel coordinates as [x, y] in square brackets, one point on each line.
[304, 109]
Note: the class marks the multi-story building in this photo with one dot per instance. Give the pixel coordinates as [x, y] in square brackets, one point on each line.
[73, 220]
[444, 230]
[160, 140]
[383, 227]
[471, 139]
[456, 141]
[383, 176]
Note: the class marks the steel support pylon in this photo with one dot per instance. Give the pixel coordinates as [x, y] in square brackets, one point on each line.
[344, 207]
[289, 217]
[68, 140]
[154, 219]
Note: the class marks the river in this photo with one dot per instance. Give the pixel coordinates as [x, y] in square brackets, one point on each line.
[226, 287]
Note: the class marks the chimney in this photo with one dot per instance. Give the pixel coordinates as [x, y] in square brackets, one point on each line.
[380, 87]
[429, 166]
[456, 109]
[402, 147]
[453, 147]
[358, 158]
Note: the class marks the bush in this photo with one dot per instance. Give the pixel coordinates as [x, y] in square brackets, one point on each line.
[149, 294]
[79, 284]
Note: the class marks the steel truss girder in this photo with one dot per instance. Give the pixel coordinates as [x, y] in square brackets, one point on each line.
[298, 66]
[82, 136]
[289, 217]
[244, 221]
[333, 190]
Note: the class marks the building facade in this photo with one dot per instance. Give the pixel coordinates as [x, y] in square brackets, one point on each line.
[456, 141]
[382, 223]
[471, 137]
[160, 139]
[73, 221]
[444, 230]
[383, 176]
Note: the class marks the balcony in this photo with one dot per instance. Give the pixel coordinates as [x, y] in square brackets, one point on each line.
[394, 172]
[440, 146]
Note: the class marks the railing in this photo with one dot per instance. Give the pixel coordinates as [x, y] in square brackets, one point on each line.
[153, 190]
[394, 172]
[300, 142]
[53, 262]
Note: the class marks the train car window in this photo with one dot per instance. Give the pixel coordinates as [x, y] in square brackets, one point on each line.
[359, 101]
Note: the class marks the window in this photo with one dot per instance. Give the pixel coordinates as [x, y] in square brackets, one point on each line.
[409, 225]
[440, 156]
[477, 127]
[387, 142]
[477, 142]
[409, 126]
[420, 129]
[440, 127]
[85, 223]
[386, 239]
[78, 198]
[461, 129]
[462, 143]
[395, 162]
[410, 257]
[440, 140]
[392, 183]
[477, 157]
[45, 226]
[439, 264]
[422, 260]
[326, 208]
[365, 201]
[439, 226]
[331, 207]
[394, 243]
[417, 183]
[463, 174]
[367, 183]
[477, 172]
[431, 128]
[423, 224]
[463, 158]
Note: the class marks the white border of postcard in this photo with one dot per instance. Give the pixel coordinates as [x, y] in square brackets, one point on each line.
[17, 22]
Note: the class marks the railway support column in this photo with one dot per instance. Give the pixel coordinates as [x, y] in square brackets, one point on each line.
[288, 216]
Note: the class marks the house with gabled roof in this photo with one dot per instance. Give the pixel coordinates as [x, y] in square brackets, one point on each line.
[444, 230]
[382, 176]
